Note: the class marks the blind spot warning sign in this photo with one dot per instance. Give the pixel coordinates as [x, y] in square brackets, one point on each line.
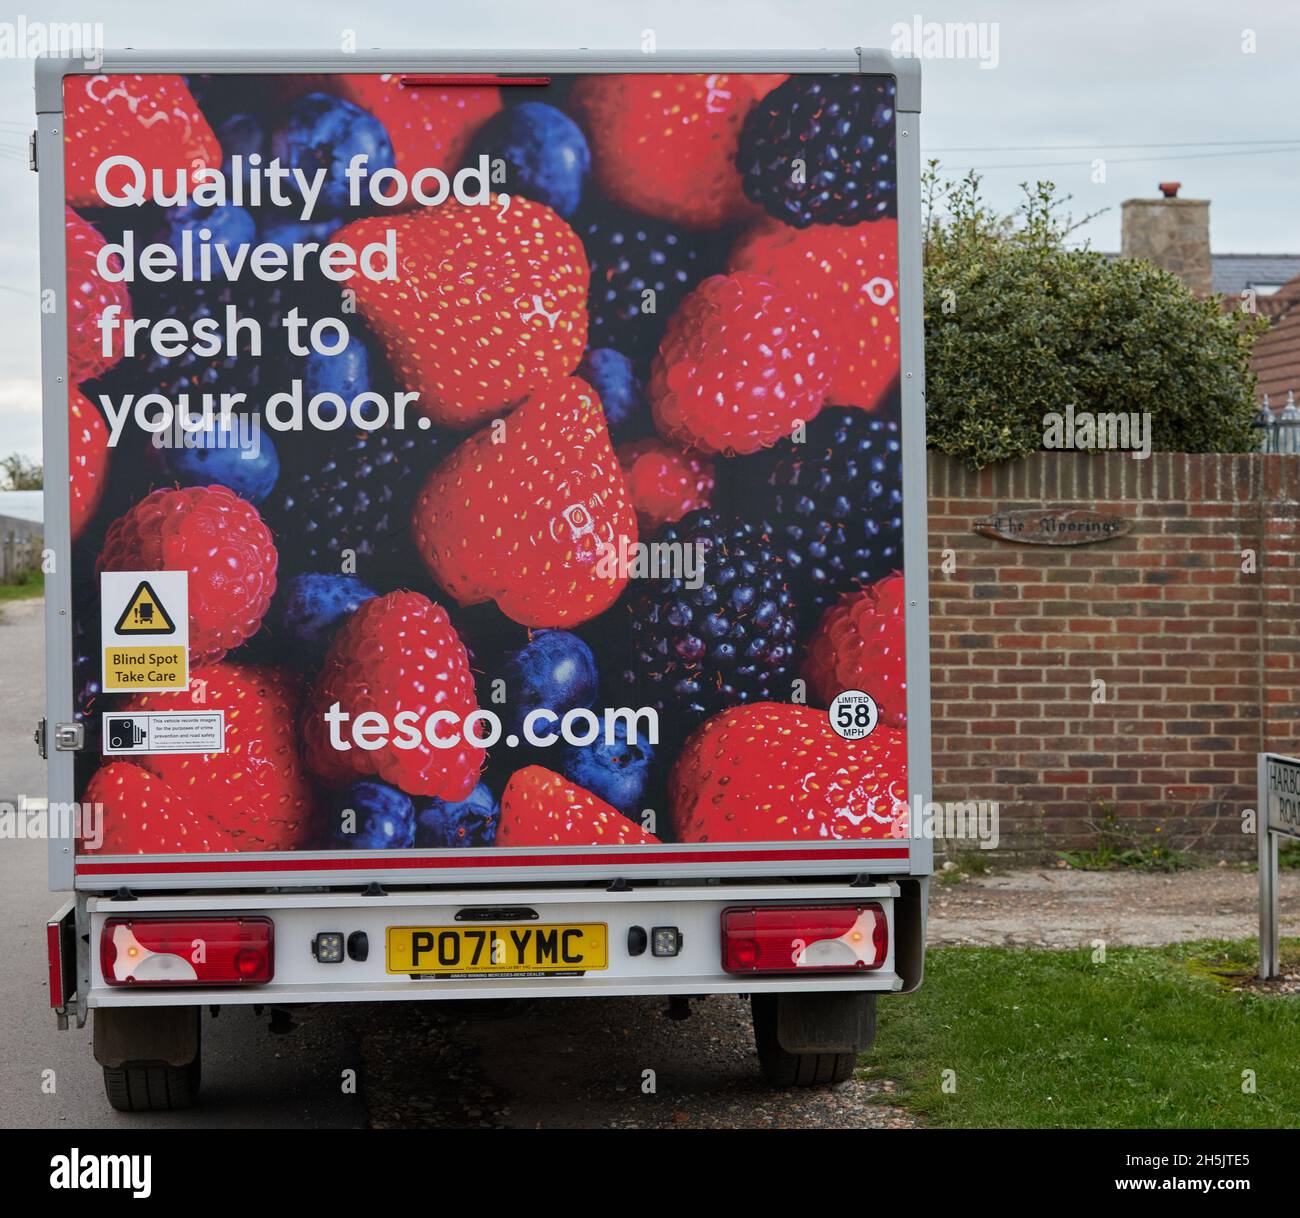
[137, 607]
[145, 613]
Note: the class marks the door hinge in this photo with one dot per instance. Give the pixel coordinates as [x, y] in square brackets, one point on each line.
[40, 739]
[31, 152]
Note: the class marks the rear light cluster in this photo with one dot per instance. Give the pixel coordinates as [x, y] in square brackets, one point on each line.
[187, 951]
[804, 938]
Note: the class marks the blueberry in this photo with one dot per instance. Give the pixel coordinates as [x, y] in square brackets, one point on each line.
[468, 822]
[228, 226]
[286, 230]
[242, 457]
[546, 154]
[371, 815]
[325, 132]
[555, 671]
[612, 375]
[616, 772]
[347, 373]
[315, 606]
[241, 135]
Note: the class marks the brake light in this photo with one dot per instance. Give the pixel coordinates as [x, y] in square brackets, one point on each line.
[804, 938]
[187, 951]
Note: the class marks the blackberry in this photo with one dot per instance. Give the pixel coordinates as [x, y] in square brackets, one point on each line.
[352, 490]
[696, 651]
[257, 376]
[628, 255]
[835, 505]
[842, 129]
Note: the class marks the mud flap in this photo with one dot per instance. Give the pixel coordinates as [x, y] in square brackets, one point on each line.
[146, 1034]
[843, 1022]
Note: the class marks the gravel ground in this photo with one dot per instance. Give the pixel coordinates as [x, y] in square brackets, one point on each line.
[582, 1064]
[1065, 908]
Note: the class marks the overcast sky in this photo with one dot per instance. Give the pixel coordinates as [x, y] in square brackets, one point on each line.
[1072, 82]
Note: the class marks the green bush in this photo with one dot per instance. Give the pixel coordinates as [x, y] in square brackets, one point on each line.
[1018, 326]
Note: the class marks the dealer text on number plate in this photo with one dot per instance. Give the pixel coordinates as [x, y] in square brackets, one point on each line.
[525, 948]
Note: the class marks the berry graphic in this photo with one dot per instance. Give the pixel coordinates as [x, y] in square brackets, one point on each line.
[241, 135]
[846, 280]
[860, 644]
[87, 458]
[541, 808]
[820, 150]
[220, 541]
[616, 772]
[321, 131]
[234, 456]
[244, 370]
[835, 508]
[611, 374]
[545, 152]
[209, 227]
[727, 635]
[471, 821]
[316, 605]
[256, 792]
[555, 671]
[371, 815]
[664, 482]
[153, 119]
[532, 522]
[772, 772]
[640, 271]
[346, 373]
[352, 490]
[666, 145]
[739, 366]
[430, 126]
[89, 294]
[143, 815]
[487, 307]
[396, 655]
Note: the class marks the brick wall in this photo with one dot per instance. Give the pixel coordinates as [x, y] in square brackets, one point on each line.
[1201, 661]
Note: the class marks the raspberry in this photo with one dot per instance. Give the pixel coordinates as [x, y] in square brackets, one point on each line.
[663, 482]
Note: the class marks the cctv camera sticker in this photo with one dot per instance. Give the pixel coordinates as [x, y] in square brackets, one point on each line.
[128, 733]
[145, 622]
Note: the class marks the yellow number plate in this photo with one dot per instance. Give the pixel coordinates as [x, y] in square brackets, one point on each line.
[522, 949]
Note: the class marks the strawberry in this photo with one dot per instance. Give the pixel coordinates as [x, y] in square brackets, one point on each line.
[143, 815]
[847, 280]
[88, 296]
[860, 644]
[256, 793]
[663, 482]
[772, 772]
[397, 653]
[739, 365]
[87, 459]
[530, 514]
[487, 308]
[152, 118]
[666, 145]
[220, 540]
[542, 808]
[428, 125]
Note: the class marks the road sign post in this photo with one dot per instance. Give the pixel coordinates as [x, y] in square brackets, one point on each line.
[1279, 815]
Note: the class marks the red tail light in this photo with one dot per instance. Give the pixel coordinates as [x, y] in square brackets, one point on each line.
[187, 951]
[804, 938]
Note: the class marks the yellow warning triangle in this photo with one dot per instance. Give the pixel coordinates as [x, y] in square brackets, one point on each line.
[145, 614]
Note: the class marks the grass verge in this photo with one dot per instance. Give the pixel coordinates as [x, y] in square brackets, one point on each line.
[31, 584]
[1151, 1038]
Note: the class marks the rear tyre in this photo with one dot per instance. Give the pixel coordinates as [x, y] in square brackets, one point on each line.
[783, 1068]
[151, 1086]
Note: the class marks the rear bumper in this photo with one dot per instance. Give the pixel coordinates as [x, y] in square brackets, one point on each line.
[694, 908]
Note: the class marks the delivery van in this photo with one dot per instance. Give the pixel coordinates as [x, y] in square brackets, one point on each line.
[486, 526]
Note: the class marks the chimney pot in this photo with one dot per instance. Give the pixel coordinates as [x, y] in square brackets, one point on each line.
[1170, 189]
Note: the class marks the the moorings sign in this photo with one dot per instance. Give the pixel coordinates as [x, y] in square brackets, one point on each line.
[1279, 815]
